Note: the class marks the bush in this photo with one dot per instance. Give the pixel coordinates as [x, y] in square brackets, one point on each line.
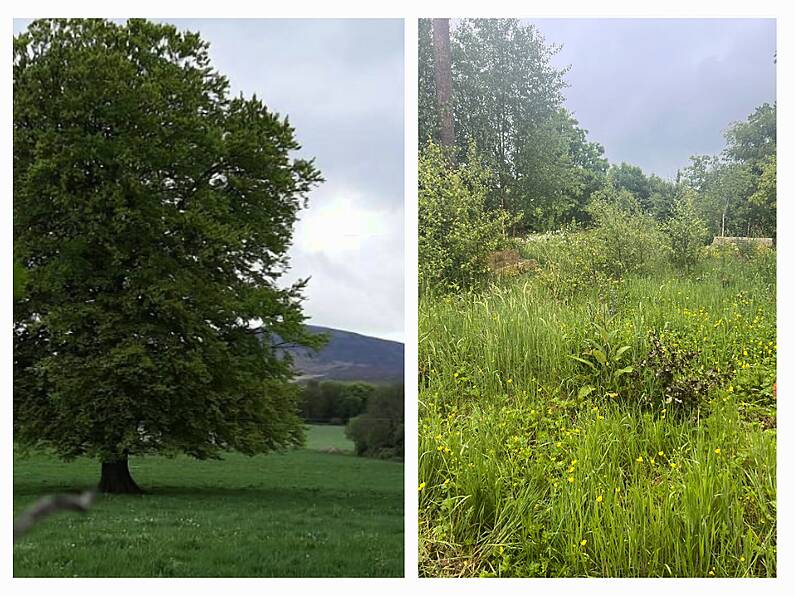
[379, 431]
[456, 231]
[629, 241]
[686, 232]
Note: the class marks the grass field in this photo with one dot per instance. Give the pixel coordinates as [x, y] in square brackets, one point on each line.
[304, 513]
[552, 442]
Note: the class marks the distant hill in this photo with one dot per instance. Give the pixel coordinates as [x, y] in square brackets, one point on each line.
[350, 356]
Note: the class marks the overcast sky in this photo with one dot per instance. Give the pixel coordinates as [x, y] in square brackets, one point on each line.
[656, 91]
[341, 84]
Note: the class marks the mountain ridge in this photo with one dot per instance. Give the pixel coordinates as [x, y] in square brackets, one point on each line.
[349, 356]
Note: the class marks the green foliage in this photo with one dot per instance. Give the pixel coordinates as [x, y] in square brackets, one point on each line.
[606, 358]
[525, 452]
[507, 98]
[324, 515]
[379, 432]
[153, 213]
[754, 140]
[686, 232]
[456, 232]
[20, 278]
[628, 240]
[736, 190]
[333, 402]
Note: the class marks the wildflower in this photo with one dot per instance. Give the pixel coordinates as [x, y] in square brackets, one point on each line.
[651, 460]
[570, 479]
[583, 542]
[730, 389]
[618, 489]
[510, 380]
[599, 499]
[574, 462]
[742, 559]
[717, 450]
[660, 453]
[640, 459]
[421, 486]
[673, 465]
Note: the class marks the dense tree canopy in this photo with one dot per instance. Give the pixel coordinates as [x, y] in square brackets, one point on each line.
[152, 213]
[507, 100]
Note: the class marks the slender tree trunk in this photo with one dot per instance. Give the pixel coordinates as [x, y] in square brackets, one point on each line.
[116, 478]
[443, 75]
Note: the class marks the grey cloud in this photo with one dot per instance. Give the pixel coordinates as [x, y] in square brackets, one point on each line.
[655, 91]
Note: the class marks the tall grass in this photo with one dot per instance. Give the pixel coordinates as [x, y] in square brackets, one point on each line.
[524, 474]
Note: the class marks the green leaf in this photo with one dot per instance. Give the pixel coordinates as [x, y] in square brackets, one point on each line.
[620, 352]
[623, 371]
[600, 356]
[583, 360]
[585, 391]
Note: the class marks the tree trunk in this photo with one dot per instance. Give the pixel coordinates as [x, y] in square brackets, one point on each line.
[443, 75]
[116, 478]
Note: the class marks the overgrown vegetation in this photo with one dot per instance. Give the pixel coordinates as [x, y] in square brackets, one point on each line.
[623, 428]
[610, 410]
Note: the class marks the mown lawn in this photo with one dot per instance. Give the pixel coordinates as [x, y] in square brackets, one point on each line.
[305, 513]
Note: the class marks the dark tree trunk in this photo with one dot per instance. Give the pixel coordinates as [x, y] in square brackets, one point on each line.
[116, 478]
[444, 80]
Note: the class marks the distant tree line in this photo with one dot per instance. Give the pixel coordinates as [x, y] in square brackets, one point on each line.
[373, 414]
[333, 402]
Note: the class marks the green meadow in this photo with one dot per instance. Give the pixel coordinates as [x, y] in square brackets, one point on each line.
[303, 513]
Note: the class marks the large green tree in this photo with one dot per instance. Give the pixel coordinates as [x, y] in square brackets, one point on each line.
[507, 99]
[152, 212]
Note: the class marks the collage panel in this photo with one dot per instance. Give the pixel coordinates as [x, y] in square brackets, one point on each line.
[208, 298]
[597, 298]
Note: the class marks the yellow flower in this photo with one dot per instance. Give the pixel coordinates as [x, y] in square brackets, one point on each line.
[570, 479]
[660, 453]
[717, 450]
[599, 499]
[640, 459]
[742, 559]
[421, 486]
[730, 389]
[651, 460]
[510, 380]
[673, 465]
[618, 489]
[583, 542]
